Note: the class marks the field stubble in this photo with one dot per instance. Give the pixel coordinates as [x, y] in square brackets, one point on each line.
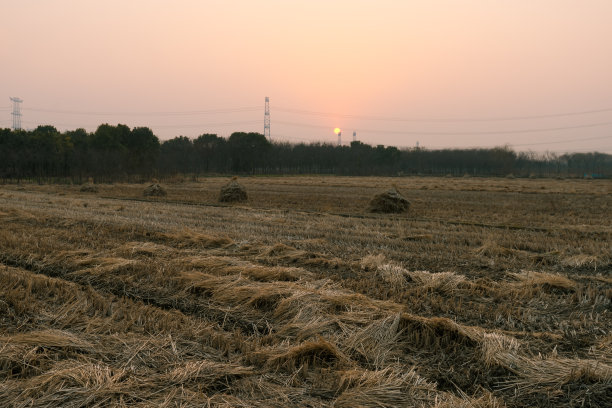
[488, 292]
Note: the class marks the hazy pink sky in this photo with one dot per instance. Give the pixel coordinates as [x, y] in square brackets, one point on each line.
[136, 61]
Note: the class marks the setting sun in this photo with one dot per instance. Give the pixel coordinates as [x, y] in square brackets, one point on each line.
[337, 130]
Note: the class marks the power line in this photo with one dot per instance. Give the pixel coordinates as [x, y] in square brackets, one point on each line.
[279, 137]
[564, 141]
[442, 120]
[468, 133]
[244, 122]
[317, 113]
[595, 149]
[175, 113]
[531, 144]
[314, 113]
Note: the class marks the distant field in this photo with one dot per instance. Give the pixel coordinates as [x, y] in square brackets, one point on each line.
[486, 293]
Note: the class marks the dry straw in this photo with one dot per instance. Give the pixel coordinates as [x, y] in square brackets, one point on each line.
[154, 190]
[390, 201]
[233, 192]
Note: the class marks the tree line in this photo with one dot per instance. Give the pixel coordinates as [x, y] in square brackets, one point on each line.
[118, 153]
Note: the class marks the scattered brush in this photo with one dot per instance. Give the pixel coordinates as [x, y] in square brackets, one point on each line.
[388, 387]
[544, 374]
[253, 297]
[48, 338]
[495, 344]
[208, 373]
[222, 265]
[305, 326]
[378, 342]
[372, 262]
[188, 238]
[398, 277]
[145, 249]
[439, 333]
[549, 374]
[105, 267]
[306, 303]
[393, 275]
[545, 280]
[444, 282]
[320, 353]
[492, 249]
[288, 254]
[582, 261]
[388, 202]
[233, 192]
[277, 273]
[418, 237]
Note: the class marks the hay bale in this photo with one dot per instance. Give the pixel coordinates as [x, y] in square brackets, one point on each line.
[232, 192]
[89, 188]
[154, 190]
[389, 202]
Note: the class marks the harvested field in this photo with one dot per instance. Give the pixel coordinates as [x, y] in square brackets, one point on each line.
[486, 293]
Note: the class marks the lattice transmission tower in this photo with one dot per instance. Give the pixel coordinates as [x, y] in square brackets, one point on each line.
[16, 112]
[267, 119]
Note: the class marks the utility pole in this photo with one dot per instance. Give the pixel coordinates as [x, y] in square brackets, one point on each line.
[16, 112]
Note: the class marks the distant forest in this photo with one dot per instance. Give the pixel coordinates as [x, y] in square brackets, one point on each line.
[118, 153]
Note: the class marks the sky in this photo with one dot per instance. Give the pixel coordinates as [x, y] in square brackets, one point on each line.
[531, 74]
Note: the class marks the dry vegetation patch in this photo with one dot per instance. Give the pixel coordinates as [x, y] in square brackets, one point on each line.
[174, 304]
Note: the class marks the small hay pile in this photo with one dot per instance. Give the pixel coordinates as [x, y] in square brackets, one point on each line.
[89, 187]
[232, 192]
[155, 190]
[389, 202]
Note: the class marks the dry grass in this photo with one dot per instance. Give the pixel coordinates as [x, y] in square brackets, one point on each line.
[544, 279]
[481, 299]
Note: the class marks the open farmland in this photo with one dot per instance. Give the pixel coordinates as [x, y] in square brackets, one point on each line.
[487, 293]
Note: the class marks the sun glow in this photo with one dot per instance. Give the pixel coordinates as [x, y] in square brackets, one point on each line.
[337, 130]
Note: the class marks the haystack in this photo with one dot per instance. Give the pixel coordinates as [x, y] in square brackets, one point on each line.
[232, 192]
[154, 190]
[89, 188]
[389, 202]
